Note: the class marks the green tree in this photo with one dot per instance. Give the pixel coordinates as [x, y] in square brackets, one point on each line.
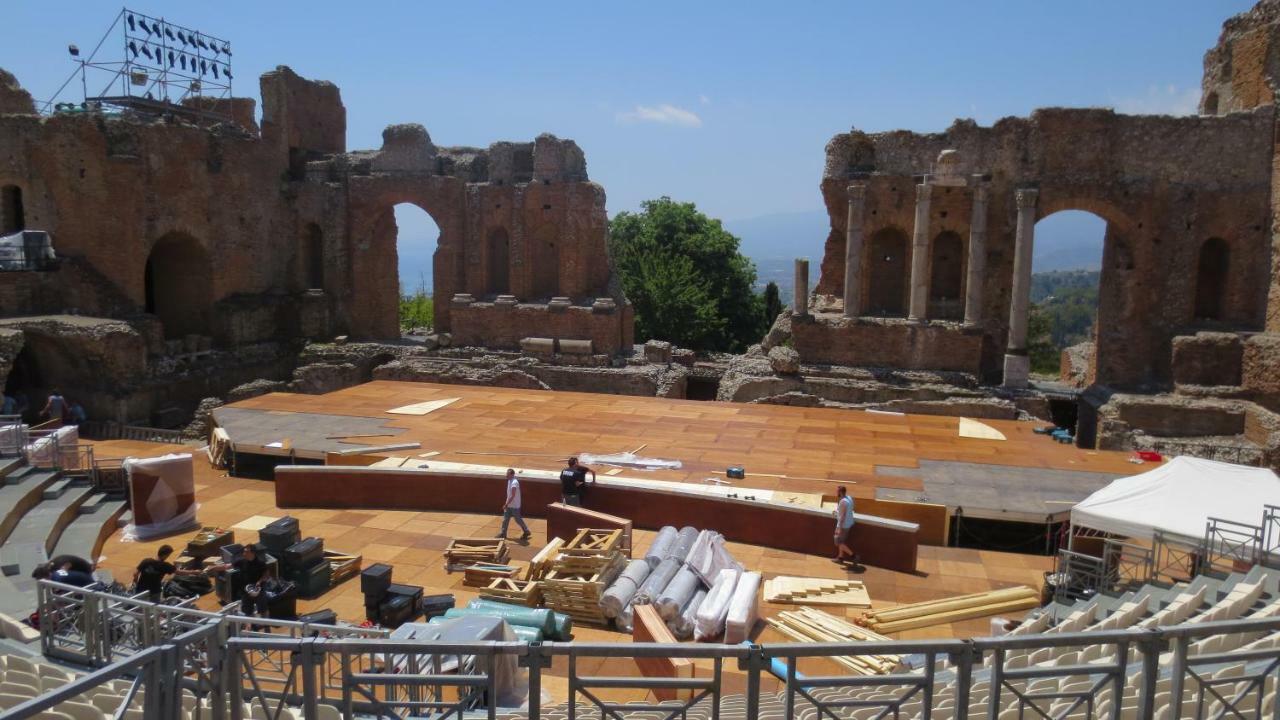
[772, 303]
[1045, 356]
[685, 278]
[416, 309]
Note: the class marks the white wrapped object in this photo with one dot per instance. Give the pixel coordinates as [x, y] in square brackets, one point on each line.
[162, 495]
[624, 588]
[682, 625]
[677, 593]
[684, 542]
[626, 620]
[657, 581]
[744, 609]
[708, 557]
[631, 460]
[709, 621]
[661, 545]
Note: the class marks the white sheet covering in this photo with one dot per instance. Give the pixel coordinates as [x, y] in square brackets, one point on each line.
[162, 495]
[682, 625]
[708, 557]
[683, 544]
[624, 588]
[744, 609]
[657, 581]
[677, 593]
[661, 545]
[1178, 498]
[715, 607]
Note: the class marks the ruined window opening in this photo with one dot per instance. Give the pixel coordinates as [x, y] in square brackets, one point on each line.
[1211, 279]
[297, 164]
[177, 285]
[12, 215]
[1211, 104]
[545, 259]
[417, 238]
[313, 252]
[26, 381]
[499, 262]
[946, 278]
[887, 274]
[1067, 278]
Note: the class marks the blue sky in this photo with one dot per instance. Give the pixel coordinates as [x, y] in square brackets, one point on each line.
[727, 104]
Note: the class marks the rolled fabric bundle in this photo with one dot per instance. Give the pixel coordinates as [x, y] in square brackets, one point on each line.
[677, 593]
[709, 621]
[626, 620]
[624, 588]
[561, 624]
[657, 581]
[684, 542]
[682, 625]
[523, 634]
[744, 608]
[709, 556]
[661, 545]
[535, 618]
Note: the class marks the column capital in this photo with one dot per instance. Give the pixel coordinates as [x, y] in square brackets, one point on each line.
[857, 192]
[923, 191]
[1027, 197]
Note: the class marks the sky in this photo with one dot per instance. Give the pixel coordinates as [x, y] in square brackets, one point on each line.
[725, 104]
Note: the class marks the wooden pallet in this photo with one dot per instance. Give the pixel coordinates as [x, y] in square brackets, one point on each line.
[524, 592]
[342, 566]
[589, 542]
[816, 591]
[481, 574]
[952, 609]
[813, 625]
[465, 552]
[540, 565]
[578, 594]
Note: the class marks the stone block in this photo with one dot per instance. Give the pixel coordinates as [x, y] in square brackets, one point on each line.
[505, 301]
[604, 306]
[784, 360]
[463, 299]
[1207, 358]
[575, 347]
[405, 148]
[559, 304]
[1017, 370]
[657, 351]
[538, 346]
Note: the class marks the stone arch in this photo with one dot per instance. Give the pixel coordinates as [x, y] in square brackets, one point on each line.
[544, 261]
[499, 258]
[1211, 103]
[12, 211]
[946, 276]
[887, 265]
[312, 253]
[1212, 276]
[178, 285]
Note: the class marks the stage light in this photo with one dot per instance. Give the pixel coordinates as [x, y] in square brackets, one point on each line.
[182, 60]
[145, 29]
[75, 51]
[131, 25]
[182, 38]
[171, 60]
[227, 49]
[146, 52]
[200, 42]
[133, 48]
[195, 86]
[156, 26]
[214, 68]
[203, 68]
[227, 71]
[168, 33]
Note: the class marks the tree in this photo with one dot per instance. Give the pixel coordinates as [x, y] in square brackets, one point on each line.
[685, 278]
[1045, 357]
[772, 303]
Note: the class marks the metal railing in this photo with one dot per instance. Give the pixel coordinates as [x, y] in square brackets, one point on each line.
[1229, 545]
[111, 430]
[13, 436]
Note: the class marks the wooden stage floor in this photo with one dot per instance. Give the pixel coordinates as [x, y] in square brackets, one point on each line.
[532, 429]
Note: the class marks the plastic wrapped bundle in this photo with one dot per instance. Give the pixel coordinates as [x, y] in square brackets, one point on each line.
[626, 620]
[535, 618]
[657, 581]
[677, 593]
[661, 545]
[561, 624]
[624, 588]
[682, 625]
[744, 608]
[684, 542]
[709, 556]
[710, 618]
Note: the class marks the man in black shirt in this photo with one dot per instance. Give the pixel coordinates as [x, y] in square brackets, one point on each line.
[253, 569]
[150, 575]
[573, 480]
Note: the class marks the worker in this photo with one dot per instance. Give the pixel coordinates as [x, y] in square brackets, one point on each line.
[151, 572]
[254, 571]
[573, 481]
[54, 406]
[844, 523]
[511, 507]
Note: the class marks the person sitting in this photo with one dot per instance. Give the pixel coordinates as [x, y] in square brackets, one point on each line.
[254, 571]
[64, 573]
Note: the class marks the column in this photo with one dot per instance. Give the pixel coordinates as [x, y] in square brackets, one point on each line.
[800, 304]
[977, 255]
[853, 250]
[1017, 364]
[920, 255]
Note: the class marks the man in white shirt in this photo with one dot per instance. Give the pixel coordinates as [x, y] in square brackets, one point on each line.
[844, 523]
[511, 508]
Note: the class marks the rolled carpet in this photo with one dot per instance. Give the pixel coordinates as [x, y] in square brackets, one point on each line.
[535, 618]
[661, 545]
[657, 581]
[682, 625]
[677, 593]
[684, 541]
[523, 634]
[710, 619]
[624, 588]
[561, 624]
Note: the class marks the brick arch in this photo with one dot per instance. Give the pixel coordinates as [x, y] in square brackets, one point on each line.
[178, 285]
[886, 267]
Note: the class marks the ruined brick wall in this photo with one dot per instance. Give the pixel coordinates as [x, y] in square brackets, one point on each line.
[1164, 185]
[1240, 71]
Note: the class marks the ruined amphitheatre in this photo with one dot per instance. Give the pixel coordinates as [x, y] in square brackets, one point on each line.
[160, 305]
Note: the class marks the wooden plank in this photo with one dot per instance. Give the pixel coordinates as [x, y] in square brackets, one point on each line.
[649, 628]
[378, 448]
[955, 615]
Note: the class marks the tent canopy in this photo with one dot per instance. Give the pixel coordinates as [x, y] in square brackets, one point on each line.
[1178, 498]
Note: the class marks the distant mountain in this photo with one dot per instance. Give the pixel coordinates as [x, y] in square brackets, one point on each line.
[1069, 240]
[774, 241]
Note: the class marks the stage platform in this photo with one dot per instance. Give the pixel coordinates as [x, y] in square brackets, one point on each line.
[879, 456]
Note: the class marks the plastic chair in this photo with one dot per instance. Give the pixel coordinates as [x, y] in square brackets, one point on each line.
[79, 711]
[20, 690]
[21, 664]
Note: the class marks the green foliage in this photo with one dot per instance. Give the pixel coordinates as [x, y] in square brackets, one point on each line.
[417, 310]
[685, 278]
[1063, 313]
[772, 303]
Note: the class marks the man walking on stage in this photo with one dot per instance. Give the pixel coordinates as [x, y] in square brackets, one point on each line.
[573, 481]
[511, 508]
[844, 523]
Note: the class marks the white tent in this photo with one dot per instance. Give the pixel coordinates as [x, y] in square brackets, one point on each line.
[1178, 498]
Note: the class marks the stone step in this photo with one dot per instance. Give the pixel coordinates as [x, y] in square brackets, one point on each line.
[38, 531]
[10, 465]
[19, 496]
[84, 536]
[55, 489]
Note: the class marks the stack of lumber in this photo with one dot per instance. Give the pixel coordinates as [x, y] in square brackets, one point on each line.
[540, 565]
[481, 574]
[586, 566]
[961, 607]
[812, 625]
[523, 592]
[342, 566]
[816, 591]
[465, 552]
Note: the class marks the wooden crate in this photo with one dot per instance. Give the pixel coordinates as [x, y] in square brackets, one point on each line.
[342, 566]
[481, 574]
[523, 592]
[464, 552]
[591, 542]
[541, 563]
[578, 594]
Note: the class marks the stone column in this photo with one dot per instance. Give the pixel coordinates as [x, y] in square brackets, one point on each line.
[920, 255]
[853, 250]
[800, 304]
[1017, 364]
[977, 255]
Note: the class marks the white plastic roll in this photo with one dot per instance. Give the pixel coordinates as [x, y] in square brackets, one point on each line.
[684, 542]
[709, 556]
[682, 625]
[661, 545]
[626, 619]
[657, 581]
[624, 588]
[710, 619]
[677, 593]
[744, 609]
